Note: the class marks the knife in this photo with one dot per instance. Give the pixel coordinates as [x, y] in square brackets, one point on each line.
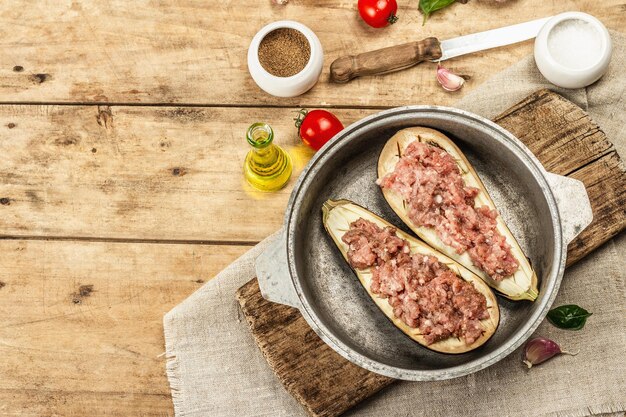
[395, 58]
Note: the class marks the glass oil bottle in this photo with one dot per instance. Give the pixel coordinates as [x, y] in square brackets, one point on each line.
[267, 166]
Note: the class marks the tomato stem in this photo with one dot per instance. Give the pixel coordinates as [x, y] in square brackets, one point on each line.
[392, 19]
[300, 118]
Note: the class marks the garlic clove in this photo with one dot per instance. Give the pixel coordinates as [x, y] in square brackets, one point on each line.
[449, 80]
[540, 349]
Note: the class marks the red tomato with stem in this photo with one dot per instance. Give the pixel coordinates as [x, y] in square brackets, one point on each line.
[378, 13]
[316, 127]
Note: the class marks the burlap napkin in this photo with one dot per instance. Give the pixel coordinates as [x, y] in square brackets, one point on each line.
[215, 368]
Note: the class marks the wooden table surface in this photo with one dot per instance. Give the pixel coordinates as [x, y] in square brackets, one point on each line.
[121, 140]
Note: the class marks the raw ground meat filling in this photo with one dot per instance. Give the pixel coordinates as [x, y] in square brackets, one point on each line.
[429, 180]
[423, 292]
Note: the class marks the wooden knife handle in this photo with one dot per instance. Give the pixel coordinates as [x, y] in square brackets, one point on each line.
[384, 60]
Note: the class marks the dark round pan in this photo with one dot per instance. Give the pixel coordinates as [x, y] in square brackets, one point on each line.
[304, 268]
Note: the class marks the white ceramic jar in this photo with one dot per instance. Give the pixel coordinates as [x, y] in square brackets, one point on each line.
[297, 84]
[573, 50]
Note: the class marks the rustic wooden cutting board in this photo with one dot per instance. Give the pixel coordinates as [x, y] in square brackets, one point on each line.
[564, 139]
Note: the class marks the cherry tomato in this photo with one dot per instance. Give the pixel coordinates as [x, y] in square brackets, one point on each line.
[316, 127]
[378, 13]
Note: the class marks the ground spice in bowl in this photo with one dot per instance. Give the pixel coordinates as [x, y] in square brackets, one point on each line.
[284, 52]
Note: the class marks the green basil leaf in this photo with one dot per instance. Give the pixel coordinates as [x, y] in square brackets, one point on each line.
[429, 6]
[569, 316]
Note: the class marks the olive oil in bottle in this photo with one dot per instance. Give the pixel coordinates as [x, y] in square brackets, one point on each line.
[267, 167]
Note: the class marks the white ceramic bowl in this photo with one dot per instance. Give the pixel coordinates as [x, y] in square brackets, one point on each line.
[286, 86]
[568, 76]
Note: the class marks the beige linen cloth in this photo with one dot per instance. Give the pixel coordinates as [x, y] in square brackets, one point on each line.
[215, 368]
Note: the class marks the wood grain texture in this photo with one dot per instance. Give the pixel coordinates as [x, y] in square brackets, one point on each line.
[139, 172]
[81, 330]
[322, 381]
[605, 180]
[568, 142]
[563, 138]
[191, 51]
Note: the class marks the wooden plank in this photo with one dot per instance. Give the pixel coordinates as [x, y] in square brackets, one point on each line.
[139, 172]
[81, 330]
[168, 172]
[190, 51]
[570, 133]
[321, 380]
[51, 403]
[563, 137]
[605, 180]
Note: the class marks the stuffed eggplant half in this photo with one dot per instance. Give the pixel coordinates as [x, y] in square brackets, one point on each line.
[432, 187]
[435, 301]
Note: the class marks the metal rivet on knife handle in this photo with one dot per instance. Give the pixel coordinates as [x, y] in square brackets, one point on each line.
[382, 61]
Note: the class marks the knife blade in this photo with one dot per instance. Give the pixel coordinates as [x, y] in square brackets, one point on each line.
[395, 58]
[489, 39]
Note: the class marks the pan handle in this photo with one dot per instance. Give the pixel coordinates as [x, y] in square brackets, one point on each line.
[573, 204]
[272, 271]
